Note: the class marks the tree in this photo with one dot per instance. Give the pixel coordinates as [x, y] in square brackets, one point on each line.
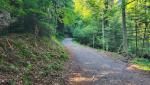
[124, 29]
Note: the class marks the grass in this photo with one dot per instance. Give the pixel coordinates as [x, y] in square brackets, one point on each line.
[143, 64]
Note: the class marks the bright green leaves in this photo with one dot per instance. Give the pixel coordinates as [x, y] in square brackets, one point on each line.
[81, 7]
[69, 16]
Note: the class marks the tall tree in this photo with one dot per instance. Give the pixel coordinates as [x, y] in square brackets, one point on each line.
[124, 29]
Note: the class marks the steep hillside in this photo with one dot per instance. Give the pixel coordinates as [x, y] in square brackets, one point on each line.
[25, 60]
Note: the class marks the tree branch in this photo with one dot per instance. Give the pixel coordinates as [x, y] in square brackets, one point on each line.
[130, 2]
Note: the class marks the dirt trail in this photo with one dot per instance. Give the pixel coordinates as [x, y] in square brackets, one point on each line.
[90, 67]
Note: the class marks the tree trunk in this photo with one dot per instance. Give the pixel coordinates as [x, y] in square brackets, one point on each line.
[124, 29]
[93, 40]
[136, 37]
[145, 29]
[103, 32]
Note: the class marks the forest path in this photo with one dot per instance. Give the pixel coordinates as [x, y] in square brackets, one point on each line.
[89, 67]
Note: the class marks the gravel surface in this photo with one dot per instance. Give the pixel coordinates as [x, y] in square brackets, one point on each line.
[90, 67]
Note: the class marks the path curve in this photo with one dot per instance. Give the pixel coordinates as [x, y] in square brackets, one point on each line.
[90, 67]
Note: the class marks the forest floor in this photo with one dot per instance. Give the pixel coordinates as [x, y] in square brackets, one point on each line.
[25, 60]
[88, 66]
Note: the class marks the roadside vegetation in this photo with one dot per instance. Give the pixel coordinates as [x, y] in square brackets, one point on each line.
[142, 63]
[30, 53]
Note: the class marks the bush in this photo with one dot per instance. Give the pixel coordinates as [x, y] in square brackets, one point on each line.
[85, 35]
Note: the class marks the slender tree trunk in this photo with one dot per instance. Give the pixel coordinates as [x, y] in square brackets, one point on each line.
[144, 37]
[148, 42]
[136, 30]
[145, 29]
[36, 32]
[103, 32]
[93, 40]
[104, 23]
[136, 37]
[124, 29]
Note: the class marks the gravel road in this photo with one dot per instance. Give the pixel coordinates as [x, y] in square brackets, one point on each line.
[90, 67]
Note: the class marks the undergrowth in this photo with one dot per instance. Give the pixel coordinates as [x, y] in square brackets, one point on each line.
[25, 60]
[143, 64]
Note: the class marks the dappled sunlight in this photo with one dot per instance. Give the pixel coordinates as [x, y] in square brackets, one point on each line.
[135, 67]
[83, 79]
[131, 84]
[78, 78]
[89, 76]
[132, 67]
[86, 12]
[82, 9]
[102, 73]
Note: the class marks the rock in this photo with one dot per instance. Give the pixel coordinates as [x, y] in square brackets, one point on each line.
[5, 19]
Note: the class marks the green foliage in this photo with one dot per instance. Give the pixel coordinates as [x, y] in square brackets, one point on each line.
[5, 5]
[105, 18]
[36, 47]
[85, 34]
[47, 56]
[41, 15]
[143, 64]
[24, 52]
[68, 19]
